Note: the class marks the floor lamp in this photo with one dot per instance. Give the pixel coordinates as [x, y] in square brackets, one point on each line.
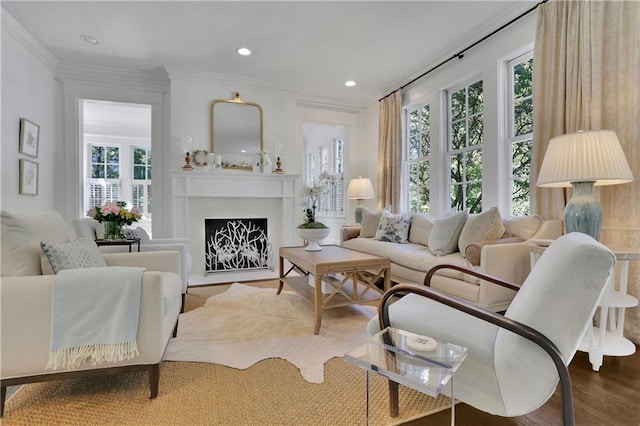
[360, 189]
[584, 160]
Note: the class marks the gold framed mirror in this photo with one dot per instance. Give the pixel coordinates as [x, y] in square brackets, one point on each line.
[236, 131]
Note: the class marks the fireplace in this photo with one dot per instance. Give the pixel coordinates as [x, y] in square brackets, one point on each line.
[237, 245]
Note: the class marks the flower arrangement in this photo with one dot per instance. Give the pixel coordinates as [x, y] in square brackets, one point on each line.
[115, 212]
[311, 194]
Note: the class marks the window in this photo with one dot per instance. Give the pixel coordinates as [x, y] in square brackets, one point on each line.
[104, 181]
[325, 167]
[520, 133]
[417, 155]
[141, 186]
[466, 139]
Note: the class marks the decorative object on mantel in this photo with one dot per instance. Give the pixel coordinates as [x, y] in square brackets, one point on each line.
[186, 149]
[583, 160]
[278, 168]
[200, 158]
[310, 230]
[265, 162]
[360, 189]
[114, 215]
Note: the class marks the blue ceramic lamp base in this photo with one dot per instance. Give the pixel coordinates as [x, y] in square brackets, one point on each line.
[583, 212]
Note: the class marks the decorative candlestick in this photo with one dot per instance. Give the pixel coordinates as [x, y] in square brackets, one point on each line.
[278, 166]
[187, 162]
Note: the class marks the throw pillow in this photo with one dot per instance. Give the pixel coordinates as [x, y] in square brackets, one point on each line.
[131, 234]
[480, 227]
[393, 228]
[421, 225]
[144, 237]
[370, 222]
[444, 235]
[80, 253]
[522, 226]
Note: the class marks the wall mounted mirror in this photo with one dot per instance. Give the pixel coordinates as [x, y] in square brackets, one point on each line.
[236, 131]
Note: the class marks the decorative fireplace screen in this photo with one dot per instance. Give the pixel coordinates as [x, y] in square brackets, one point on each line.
[236, 244]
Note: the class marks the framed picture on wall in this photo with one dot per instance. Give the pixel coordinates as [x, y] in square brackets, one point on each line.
[29, 137]
[28, 177]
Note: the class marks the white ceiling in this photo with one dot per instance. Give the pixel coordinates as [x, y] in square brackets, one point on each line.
[309, 47]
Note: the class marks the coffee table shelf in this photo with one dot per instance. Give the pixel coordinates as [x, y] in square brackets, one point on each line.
[344, 297]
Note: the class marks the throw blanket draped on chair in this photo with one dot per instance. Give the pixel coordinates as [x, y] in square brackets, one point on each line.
[94, 316]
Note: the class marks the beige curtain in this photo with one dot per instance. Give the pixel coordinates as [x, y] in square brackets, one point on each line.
[587, 76]
[390, 151]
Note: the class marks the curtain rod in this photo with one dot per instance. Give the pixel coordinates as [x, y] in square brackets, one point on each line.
[460, 54]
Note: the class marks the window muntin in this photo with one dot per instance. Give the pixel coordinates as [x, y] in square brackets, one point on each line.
[520, 134]
[418, 154]
[104, 181]
[466, 140]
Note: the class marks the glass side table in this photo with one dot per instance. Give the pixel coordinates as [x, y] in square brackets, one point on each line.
[410, 360]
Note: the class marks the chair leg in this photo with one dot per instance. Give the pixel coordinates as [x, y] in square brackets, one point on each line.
[154, 380]
[182, 306]
[393, 399]
[175, 330]
[3, 396]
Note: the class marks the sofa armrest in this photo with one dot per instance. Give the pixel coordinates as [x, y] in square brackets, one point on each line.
[473, 251]
[349, 232]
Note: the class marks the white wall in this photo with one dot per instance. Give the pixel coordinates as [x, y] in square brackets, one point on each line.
[29, 90]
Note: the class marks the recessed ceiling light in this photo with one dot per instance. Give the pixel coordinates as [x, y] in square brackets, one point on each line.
[243, 51]
[89, 39]
[350, 83]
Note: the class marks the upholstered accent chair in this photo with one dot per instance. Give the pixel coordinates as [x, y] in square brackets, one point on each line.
[515, 361]
[26, 305]
[91, 228]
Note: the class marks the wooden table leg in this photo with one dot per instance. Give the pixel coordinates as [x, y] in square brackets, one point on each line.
[318, 301]
[387, 279]
[281, 283]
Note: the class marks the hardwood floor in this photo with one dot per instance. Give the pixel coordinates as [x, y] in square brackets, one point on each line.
[608, 397]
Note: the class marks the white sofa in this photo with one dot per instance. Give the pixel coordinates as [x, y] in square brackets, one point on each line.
[91, 228]
[506, 257]
[27, 305]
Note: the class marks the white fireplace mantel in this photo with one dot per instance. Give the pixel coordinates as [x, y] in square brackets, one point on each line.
[229, 187]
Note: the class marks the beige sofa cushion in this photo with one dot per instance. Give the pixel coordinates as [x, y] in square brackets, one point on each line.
[21, 236]
[370, 221]
[481, 227]
[443, 238]
[522, 226]
[421, 226]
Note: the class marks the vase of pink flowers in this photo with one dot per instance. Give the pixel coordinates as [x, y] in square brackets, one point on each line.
[115, 215]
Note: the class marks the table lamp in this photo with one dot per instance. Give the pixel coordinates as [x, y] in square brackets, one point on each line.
[582, 160]
[360, 189]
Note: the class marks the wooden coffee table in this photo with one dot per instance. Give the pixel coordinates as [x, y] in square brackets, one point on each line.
[350, 275]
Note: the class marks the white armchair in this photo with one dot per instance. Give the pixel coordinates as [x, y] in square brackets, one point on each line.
[26, 305]
[91, 228]
[515, 361]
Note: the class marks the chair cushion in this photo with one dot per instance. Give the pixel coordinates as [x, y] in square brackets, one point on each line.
[80, 253]
[21, 236]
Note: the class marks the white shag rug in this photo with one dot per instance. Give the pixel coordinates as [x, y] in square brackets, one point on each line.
[246, 324]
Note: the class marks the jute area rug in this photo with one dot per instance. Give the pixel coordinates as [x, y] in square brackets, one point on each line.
[271, 392]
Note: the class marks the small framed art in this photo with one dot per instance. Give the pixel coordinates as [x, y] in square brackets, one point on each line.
[29, 137]
[28, 177]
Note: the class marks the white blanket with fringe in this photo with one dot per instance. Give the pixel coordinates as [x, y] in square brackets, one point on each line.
[94, 316]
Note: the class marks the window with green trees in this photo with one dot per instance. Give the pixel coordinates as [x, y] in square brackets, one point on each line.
[141, 186]
[418, 155]
[466, 139]
[520, 136]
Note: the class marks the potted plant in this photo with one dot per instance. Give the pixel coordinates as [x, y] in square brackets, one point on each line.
[311, 230]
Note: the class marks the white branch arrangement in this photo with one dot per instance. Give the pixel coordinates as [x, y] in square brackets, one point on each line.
[241, 245]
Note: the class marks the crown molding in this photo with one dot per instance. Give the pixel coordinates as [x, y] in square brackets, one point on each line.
[149, 80]
[12, 28]
[328, 104]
